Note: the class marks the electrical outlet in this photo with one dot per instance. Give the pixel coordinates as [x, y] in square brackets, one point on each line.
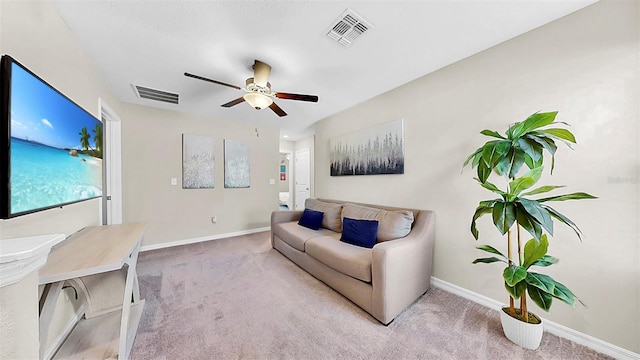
[214, 219]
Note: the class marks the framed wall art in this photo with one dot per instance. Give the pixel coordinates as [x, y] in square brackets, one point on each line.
[373, 151]
[237, 171]
[197, 162]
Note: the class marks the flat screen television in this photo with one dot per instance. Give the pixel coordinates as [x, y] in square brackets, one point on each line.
[50, 148]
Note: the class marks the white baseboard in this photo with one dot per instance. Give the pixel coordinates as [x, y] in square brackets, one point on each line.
[62, 336]
[202, 239]
[550, 326]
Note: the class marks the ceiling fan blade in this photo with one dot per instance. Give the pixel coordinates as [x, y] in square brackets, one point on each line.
[213, 81]
[261, 73]
[233, 102]
[276, 109]
[301, 97]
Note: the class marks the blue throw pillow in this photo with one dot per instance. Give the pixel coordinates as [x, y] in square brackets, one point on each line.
[359, 232]
[311, 219]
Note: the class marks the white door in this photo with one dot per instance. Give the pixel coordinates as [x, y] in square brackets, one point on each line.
[303, 177]
[112, 194]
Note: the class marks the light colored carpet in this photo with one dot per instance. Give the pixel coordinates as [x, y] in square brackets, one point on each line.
[238, 298]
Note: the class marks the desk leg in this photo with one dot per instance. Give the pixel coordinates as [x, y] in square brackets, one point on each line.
[130, 289]
[47, 305]
[136, 287]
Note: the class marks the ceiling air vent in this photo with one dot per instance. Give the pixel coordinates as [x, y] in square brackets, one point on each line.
[348, 27]
[157, 95]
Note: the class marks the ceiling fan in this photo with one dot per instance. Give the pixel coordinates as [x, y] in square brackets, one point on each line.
[258, 90]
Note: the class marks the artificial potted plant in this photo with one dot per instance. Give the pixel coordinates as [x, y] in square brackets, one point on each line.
[523, 145]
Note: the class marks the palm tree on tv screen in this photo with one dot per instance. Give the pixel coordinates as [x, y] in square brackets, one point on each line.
[97, 139]
[84, 138]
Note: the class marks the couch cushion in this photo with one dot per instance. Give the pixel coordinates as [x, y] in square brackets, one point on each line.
[351, 260]
[359, 232]
[332, 213]
[296, 235]
[391, 224]
[311, 219]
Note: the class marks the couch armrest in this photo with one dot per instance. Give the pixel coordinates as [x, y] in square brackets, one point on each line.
[401, 269]
[285, 216]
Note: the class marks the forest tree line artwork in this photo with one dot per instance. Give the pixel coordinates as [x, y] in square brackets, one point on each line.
[374, 151]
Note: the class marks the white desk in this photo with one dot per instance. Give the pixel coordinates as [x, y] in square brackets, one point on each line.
[99, 262]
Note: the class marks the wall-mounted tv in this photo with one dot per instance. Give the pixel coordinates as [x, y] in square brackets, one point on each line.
[50, 148]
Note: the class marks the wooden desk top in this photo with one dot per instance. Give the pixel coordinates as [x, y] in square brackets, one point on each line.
[92, 250]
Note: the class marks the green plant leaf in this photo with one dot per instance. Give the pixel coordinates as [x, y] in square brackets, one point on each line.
[534, 250]
[563, 219]
[483, 171]
[544, 141]
[542, 189]
[502, 167]
[548, 285]
[562, 134]
[504, 215]
[513, 274]
[491, 249]
[541, 281]
[562, 293]
[487, 260]
[480, 211]
[513, 129]
[531, 148]
[489, 152]
[531, 164]
[489, 203]
[546, 260]
[492, 133]
[525, 181]
[489, 186]
[572, 196]
[478, 151]
[540, 214]
[537, 120]
[528, 222]
[502, 148]
[540, 297]
[517, 290]
[516, 160]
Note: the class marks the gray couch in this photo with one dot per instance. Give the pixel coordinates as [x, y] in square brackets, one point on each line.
[383, 280]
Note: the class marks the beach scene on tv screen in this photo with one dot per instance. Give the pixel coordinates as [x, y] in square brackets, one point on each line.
[56, 147]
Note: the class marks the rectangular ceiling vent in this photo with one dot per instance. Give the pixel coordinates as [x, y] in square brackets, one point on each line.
[154, 94]
[347, 28]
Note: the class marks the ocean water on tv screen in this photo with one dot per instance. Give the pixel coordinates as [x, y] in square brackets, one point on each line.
[43, 176]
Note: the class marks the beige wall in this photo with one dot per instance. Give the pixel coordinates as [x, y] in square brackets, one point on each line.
[152, 155]
[586, 66]
[34, 34]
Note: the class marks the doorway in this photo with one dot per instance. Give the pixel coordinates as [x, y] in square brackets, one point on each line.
[112, 158]
[285, 183]
[303, 177]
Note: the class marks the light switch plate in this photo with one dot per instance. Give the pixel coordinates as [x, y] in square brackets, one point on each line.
[272, 181]
[174, 181]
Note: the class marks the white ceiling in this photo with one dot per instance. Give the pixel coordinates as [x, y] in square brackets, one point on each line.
[152, 43]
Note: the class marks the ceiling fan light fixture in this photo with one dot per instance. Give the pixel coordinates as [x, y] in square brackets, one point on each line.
[257, 100]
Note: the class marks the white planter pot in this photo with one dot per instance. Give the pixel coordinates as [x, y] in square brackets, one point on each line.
[520, 333]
